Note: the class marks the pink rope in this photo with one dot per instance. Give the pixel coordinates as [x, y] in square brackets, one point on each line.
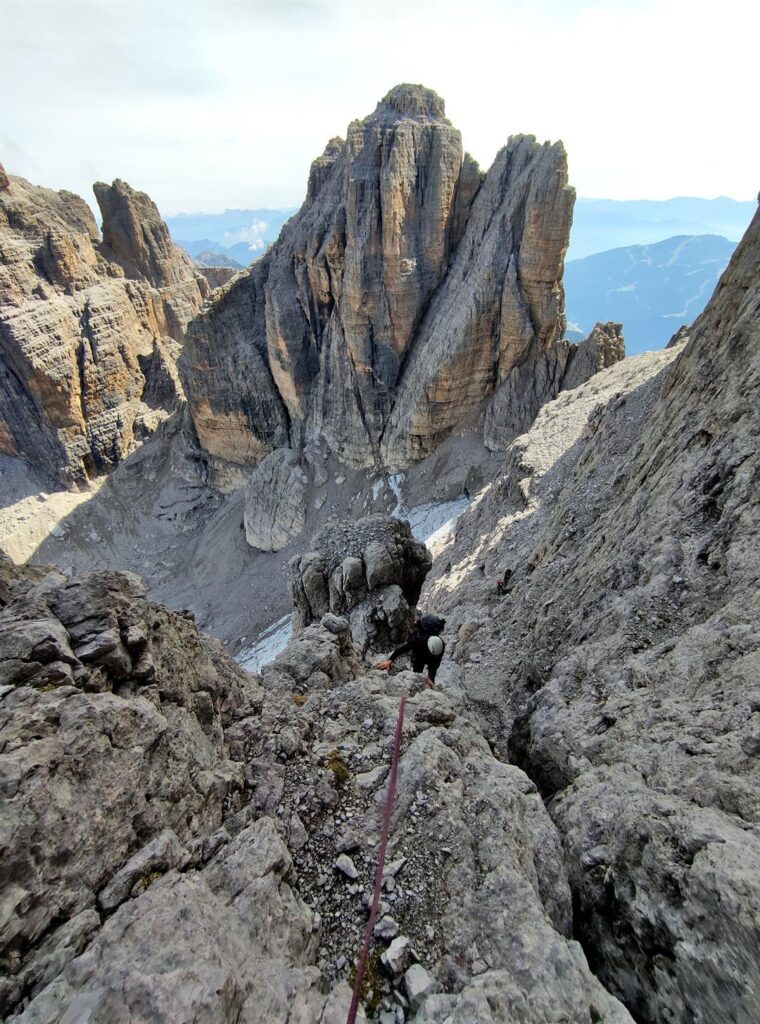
[362, 965]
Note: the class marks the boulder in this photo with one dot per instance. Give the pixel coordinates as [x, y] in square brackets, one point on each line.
[275, 501]
[418, 984]
[229, 943]
[370, 571]
[320, 655]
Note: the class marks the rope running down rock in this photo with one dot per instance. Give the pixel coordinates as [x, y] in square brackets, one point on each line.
[362, 965]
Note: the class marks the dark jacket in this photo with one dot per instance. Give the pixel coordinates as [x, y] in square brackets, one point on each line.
[420, 656]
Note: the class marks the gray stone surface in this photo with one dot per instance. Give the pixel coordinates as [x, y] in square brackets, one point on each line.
[275, 501]
[480, 891]
[111, 731]
[263, 928]
[227, 944]
[418, 984]
[160, 855]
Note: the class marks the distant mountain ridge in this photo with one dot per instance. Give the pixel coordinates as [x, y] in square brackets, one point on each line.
[213, 258]
[602, 224]
[241, 235]
[242, 254]
[598, 225]
[650, 289]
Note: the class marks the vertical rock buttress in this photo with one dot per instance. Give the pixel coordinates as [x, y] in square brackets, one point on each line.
[397, 301]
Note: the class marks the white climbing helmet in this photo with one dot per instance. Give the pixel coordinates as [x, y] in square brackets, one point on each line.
[435, 645]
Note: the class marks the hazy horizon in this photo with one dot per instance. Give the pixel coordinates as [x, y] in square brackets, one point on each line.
[220, 105]
[593, 199]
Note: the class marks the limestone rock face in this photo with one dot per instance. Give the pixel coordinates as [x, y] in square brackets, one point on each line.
[275, 501]
[112, 721]
[238, 413]
[371, 571]
[622, 657]
[136, 236]
[88, 333]
[402, 296]
[502, 303]
[228, 943]
[542, 375]
[604, 347]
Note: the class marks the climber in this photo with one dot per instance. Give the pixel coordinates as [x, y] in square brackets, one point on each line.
[424, 645]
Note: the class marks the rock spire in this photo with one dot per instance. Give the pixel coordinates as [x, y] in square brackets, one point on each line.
[89, 329]
[403, 297]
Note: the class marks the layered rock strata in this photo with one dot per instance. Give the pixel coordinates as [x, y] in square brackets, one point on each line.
[370, 571]
[619, 655]
[88, 328]
[408, 291]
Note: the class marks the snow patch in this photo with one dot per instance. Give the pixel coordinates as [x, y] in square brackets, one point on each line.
[266, 646]
[433, 523]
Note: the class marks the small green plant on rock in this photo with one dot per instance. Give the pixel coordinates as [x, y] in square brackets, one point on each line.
[145, 882]
[338, 767]
[372, 983]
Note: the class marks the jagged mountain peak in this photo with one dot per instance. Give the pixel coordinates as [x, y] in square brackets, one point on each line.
[409, 288]
[88, 328]
[136, 235]
[322, 166]
[413, 101]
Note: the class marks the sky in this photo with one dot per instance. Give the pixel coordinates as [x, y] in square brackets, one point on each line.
[215, 104]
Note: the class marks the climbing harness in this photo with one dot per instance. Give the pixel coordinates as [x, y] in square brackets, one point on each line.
[361, 967]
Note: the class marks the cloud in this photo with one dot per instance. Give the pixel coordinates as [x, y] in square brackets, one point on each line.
[210, 104]
[253, 234]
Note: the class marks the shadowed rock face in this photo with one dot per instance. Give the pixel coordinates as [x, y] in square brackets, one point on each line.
[407, 290]
[88, 329]
[622, 661]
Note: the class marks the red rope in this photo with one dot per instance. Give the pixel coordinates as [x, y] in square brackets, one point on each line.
[362, 965]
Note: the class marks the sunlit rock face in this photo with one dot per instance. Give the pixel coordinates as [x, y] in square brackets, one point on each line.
[89, 329]
[403, 296]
